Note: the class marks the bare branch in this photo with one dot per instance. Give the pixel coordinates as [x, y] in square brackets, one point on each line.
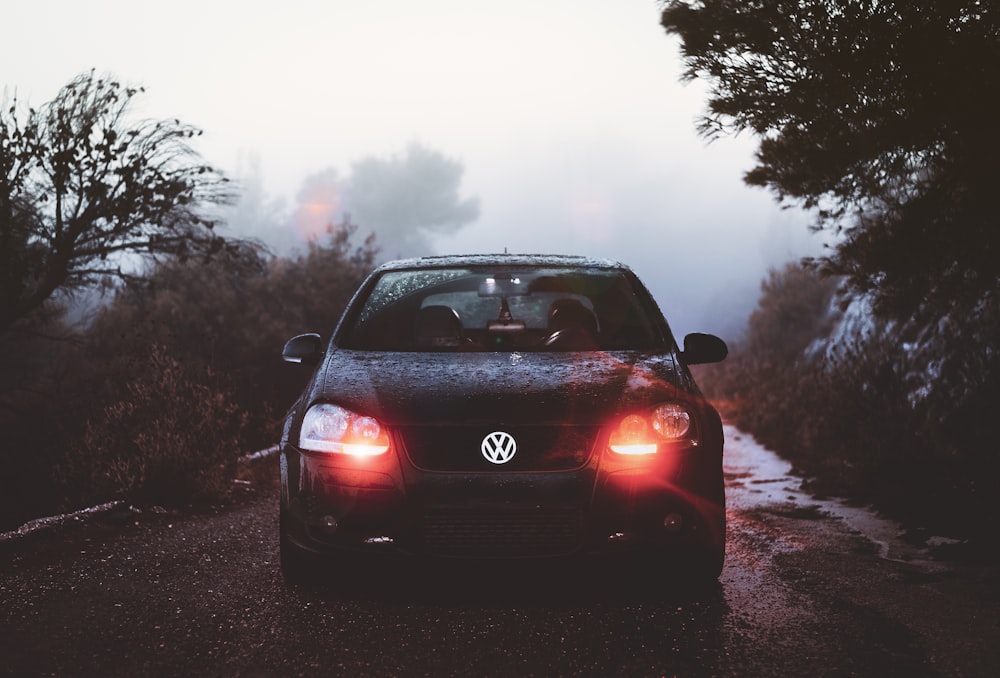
[80, 181]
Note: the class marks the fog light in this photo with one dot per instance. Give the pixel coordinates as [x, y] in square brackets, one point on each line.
[673, 522]
[328, 524]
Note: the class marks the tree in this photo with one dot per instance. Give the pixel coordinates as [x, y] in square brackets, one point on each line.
[85, 193]
[880, 116]
[408, 198]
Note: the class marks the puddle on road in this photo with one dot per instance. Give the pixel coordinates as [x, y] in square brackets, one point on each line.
[757, 478]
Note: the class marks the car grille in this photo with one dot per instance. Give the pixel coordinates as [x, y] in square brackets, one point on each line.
[504, 533]
[539, 448]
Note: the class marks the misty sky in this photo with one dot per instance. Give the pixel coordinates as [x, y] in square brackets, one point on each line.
[567, 115]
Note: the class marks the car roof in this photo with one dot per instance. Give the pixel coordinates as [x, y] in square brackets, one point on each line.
[504, 259]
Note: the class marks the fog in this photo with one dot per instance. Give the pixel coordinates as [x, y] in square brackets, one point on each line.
[565, 120]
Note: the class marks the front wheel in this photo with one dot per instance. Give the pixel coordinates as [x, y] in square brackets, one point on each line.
[297, 566]
[697, 569]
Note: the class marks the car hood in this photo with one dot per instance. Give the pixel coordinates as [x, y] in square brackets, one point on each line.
[508, 388]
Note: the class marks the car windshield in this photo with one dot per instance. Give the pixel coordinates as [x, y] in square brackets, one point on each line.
[483, 309]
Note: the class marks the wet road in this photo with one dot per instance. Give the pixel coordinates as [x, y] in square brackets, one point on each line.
[809, 588]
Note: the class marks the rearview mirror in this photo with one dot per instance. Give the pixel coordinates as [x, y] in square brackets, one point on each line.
[703, 348]
[305, 349]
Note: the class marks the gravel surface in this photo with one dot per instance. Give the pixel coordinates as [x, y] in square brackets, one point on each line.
[803, 593]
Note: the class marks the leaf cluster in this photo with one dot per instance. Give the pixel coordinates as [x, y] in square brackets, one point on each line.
[87, 192]
[880, 115]
[172, 436]
[884, 413]
[177, 376]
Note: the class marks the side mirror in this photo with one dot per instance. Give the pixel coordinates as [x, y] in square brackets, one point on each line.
[305, 349]
[703, 348]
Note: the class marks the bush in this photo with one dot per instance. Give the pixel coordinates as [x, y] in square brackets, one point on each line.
[170, 437]
[232, 318]
[866, 409]
[176, 376]
[37, 357]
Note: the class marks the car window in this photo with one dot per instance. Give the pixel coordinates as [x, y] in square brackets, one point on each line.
[537, 309]
[477, 312]
[393, 286]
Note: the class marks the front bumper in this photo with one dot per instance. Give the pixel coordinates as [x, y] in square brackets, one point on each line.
[389, 507]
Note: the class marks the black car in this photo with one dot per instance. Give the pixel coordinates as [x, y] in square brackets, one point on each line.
[502, 407]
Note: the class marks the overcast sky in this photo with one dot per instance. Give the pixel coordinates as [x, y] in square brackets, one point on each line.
[568, 116]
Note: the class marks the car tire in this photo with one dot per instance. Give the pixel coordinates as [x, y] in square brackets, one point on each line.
[669, 574]
[705, 565]
[298, 567]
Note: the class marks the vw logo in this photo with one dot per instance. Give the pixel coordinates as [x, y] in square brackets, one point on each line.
[499, 447]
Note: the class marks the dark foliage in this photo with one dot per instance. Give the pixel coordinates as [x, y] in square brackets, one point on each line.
[83, 189]
[231, 319]
[179, 373]
[864, 408]
[37, 359]
[168, 434]
[177, 376]
[882, 116]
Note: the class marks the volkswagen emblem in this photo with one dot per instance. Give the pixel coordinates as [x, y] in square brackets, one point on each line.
[499, 447]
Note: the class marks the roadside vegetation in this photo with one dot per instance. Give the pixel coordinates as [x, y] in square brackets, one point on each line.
[139, 343]
[177, 371]
[866, 409]
[874, 368]
[177, 375]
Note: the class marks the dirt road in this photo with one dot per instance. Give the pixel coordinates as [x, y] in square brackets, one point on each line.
[809, 588]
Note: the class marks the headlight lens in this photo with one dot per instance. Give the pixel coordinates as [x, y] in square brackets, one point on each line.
[671, 421]
[331, 428]
[641, 434]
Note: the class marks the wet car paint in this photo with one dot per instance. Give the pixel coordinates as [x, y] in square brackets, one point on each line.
[392, 505]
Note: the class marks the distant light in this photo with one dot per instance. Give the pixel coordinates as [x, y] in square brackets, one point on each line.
[379, 540]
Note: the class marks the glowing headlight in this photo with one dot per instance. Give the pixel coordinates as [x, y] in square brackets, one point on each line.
[641, 434]
[330, 428]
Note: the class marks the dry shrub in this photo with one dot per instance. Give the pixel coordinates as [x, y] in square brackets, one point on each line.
[172, 436]
[888, 416]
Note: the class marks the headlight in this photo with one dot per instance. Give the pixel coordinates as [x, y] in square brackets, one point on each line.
[671, 421]
[330, 428]
[641, 434]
